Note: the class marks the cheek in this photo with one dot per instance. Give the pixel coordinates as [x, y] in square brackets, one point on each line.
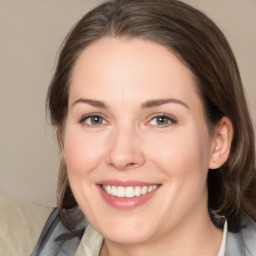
[82, 152]
[184, 153]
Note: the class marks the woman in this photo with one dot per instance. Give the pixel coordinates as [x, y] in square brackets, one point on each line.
[157, 142]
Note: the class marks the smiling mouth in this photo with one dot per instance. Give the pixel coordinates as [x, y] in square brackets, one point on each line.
[128, 192]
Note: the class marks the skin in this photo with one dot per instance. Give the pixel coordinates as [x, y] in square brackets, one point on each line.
[129, 143]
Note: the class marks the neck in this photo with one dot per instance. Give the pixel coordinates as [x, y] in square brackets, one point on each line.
[195, 236]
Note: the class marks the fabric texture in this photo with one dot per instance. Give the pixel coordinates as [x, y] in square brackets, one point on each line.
[241, 241]
[91, 243]
[56, 239]
[224, 239]
[20, 226]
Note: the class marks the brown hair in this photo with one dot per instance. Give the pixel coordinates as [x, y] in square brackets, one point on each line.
[203, 48]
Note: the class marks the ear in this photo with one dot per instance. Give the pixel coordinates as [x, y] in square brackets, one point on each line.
[222, 139]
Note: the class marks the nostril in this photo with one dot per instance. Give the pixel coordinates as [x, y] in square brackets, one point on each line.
[131, 165]
[123, 166]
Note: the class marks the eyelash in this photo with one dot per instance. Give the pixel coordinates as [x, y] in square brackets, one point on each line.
[171, 120]
[93, 115]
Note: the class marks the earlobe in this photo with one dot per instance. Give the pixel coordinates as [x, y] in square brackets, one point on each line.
[222, 139]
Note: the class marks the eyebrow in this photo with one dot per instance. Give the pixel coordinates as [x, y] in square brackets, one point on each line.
[159, 102]
[94, 103]
[147, 104]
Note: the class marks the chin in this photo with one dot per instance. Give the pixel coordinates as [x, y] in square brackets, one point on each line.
[123, 237]
[123, 233]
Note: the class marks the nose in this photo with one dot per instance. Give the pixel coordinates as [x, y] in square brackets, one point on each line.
[125, 150]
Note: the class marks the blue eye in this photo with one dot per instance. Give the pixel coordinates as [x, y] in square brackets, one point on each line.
[93, 120]
[162, 120]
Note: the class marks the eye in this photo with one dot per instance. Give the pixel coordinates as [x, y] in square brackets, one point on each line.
[162, 120]
[93, 120]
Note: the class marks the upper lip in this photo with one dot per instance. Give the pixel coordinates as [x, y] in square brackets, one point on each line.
[126, 183]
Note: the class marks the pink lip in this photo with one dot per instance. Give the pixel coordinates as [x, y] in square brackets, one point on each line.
[124, 183]
[121, 203]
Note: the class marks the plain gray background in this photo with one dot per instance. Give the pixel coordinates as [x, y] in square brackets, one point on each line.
[31, 33]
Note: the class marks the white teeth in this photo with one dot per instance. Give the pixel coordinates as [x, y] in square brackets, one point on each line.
[137, 191]
[144, 190]
[120, 192]
[128, 191]
[113, 191]
[108, 189]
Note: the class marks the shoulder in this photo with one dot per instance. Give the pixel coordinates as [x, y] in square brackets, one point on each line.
[56, 239]
[241, 240]
[20, 226]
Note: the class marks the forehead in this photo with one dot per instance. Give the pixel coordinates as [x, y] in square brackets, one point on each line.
[121, 68]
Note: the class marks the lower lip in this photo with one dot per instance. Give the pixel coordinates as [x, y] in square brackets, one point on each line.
[126, 203]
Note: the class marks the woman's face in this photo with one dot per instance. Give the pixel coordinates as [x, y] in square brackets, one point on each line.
[136, 143]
